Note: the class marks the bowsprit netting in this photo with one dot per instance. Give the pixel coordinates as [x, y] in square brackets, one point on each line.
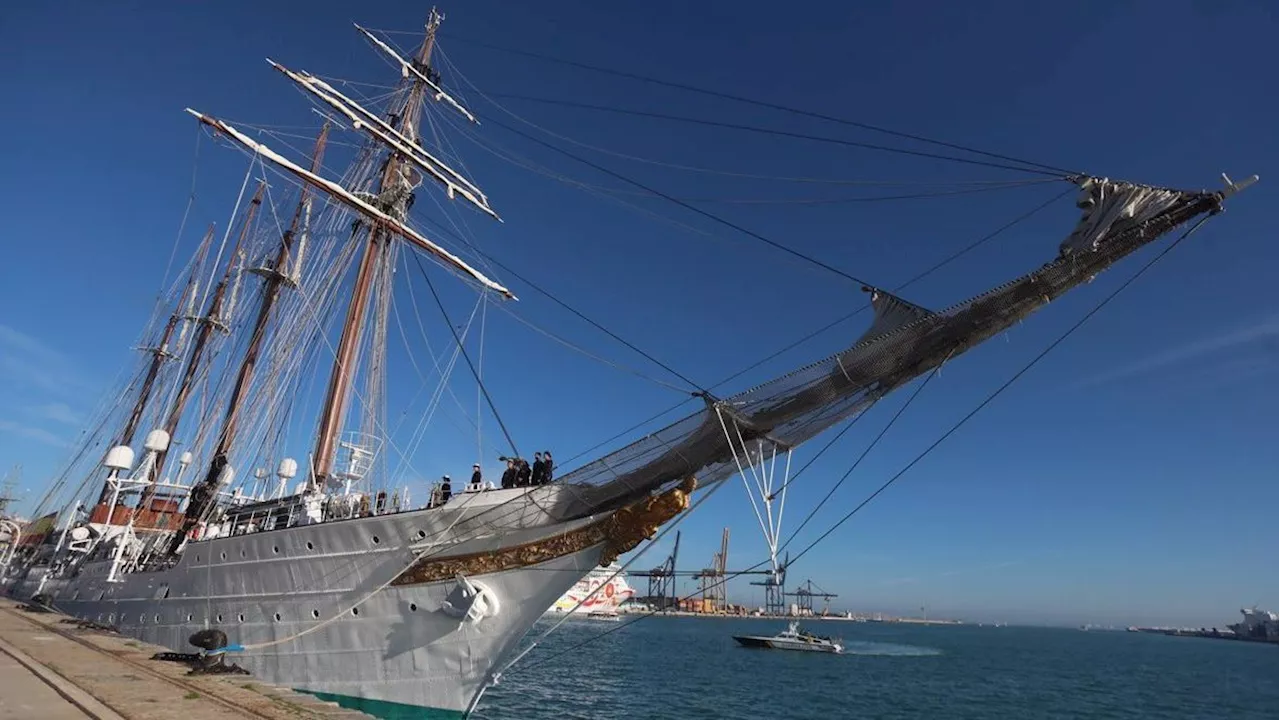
[903, 342]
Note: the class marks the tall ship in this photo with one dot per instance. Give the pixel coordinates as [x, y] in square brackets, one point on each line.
[219, 490]
[603, 590]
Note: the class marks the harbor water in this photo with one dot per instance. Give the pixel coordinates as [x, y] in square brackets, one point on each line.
[675, 668]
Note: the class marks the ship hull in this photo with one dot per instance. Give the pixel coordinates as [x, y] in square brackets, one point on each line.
[329, 609]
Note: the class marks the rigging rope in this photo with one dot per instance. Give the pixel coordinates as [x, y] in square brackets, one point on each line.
[182, 225]
[1071, 330]
[779, 133]
[919, 276]
[866, 451]
[711, 216]
[1025, 368]
[751, 101]
[465, 356]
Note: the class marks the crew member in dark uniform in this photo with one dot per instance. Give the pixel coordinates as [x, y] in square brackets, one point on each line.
[446, 489]
[523, 474]
[538, 468]
[509, 475]
[477, 479]
[547, 467]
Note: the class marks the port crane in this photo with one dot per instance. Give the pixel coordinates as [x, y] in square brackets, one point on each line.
[805, 594]
[712, 581]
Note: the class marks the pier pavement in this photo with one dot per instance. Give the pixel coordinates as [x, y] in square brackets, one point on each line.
[52, 670]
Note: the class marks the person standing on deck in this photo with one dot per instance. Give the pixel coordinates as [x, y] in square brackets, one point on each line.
[547, 467]
[477, 478]
[523, 474]
[538, 468]
[509, 475]
[446, 489]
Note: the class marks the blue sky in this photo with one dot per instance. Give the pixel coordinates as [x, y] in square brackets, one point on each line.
[1127, 478]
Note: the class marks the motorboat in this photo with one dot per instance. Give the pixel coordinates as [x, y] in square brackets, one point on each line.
[793, 638]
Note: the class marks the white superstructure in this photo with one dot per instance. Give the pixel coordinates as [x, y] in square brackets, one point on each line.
[603, 590]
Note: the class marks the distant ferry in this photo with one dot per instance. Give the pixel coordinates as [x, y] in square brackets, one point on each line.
[602, 604]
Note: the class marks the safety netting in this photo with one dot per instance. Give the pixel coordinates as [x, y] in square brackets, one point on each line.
[903, 342]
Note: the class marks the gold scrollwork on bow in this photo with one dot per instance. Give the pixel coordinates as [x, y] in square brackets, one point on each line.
[620, 532]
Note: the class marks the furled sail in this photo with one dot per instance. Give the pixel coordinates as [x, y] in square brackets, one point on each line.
[903, 342]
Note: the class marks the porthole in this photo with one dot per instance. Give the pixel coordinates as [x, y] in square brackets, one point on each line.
[219, 617]
[422, 534]
[240, 617]
[157, 618]
[188, 618]
[242, 553]
[142, 619]
[277, 617]
[224, 556]
[310, 546]
[413, 607]
[315, 614]
[275, 549]
[197, 557]
[375, 540]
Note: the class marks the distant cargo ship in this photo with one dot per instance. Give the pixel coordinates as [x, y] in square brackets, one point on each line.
[614, 592]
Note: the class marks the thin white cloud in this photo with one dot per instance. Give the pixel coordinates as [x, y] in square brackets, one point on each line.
[901, 581]
[26, 361]
[32, 433]
[1197, 349]
[57, 412]
[981, 568]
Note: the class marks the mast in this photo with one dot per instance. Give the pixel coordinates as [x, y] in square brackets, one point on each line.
[212, 319]
[393, 193]
[277, 275]
[159, 355]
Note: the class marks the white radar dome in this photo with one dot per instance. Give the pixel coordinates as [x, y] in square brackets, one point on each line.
[119, 457]
[227, 475]
[157, 441]
[288, 468]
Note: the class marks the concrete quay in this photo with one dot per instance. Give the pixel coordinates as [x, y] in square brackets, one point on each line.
[54, 671]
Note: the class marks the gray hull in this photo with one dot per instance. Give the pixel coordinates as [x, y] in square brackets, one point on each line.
[314, 607]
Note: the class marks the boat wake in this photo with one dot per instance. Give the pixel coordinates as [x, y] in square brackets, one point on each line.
[859, 647]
